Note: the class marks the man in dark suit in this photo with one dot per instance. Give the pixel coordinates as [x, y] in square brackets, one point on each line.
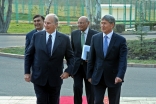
[107, 62]
[38, 21]
[45, 54]
[80, 66]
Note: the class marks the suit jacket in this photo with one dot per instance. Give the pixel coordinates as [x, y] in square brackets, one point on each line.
[28, 38]
[113, 65]
[44, 68]
[76, 45]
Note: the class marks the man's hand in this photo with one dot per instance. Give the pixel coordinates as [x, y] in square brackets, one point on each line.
[27, 77]
[64, 75]
[89, 80]
[118, 80]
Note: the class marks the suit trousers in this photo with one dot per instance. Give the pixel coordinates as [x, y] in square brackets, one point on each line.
[78, 86]
[47, 94]
[113, 93]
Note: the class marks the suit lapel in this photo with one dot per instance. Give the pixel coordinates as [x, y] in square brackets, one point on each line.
[43, 41]
[57, 41]
[100, 41]
[79, 40]
[88, 38]
[113, 39]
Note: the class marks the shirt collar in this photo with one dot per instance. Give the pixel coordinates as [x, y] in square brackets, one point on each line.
[41, 30]
[53, 34]
[86, 31]
[109, 35]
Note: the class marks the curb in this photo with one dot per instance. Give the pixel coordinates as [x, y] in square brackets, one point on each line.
[129, 64]
[12, 55]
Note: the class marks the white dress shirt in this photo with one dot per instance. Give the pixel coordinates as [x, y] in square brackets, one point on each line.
[85, 33]
[109, 35]
[53, 39]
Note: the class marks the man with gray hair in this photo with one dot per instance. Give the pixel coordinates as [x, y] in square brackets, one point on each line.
[81, 37]
[107, 62]
[45, 54]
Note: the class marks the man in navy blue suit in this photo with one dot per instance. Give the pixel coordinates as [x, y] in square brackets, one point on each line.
[107, 62]
[38, 21]
[45, 54]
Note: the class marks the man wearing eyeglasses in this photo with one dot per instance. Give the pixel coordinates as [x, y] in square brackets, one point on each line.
[81, 37]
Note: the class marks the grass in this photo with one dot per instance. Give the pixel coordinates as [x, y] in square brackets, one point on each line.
[24, 28]
[20, 51]
[20, 27]
[13, 50]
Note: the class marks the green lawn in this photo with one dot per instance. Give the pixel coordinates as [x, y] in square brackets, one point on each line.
[20, 27]
[13, 50]
[24, 28]
[20, 51]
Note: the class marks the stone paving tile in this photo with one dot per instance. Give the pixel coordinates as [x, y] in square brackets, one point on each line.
[151, 99]
[148, 102]
[133, 98]
[134, 102]
[5, 97]
[32, 100]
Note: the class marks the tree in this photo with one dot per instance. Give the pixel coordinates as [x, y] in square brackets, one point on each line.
[140, 24]
[48, 9]
[94, 19]
[88, 9]
[97, 17]
[5, 21]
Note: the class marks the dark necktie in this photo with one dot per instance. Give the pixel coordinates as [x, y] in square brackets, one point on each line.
[105, 45]
[82, 39]
[49, 45]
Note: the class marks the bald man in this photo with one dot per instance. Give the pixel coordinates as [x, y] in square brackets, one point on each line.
[45, 54]
[81, 37]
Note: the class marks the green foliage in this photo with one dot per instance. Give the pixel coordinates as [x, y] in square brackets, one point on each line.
[66, 29]
[20, 27]
[142, 61]
[145, 52]
[120, 28]
[13, 50]
[27, 27]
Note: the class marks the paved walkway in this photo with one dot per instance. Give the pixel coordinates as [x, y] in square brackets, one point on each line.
[32, 100]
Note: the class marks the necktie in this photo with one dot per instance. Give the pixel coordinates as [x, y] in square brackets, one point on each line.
[49, 45]
[82, 39]
[105, 45]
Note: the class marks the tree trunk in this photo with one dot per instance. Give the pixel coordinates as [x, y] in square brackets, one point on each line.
[97, 17]
[4, 22]
[88, 9]
[48, 9]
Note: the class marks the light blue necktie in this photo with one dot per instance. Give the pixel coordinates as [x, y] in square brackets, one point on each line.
[105, 45]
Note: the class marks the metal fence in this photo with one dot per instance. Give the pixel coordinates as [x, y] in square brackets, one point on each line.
[68, 11]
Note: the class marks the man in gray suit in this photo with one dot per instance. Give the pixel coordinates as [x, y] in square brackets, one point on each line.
[107, 62]
[45, 54]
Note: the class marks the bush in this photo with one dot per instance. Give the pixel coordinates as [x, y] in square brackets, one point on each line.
[146, 24]
[119, 28]
[96, 27]
[146, 51]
